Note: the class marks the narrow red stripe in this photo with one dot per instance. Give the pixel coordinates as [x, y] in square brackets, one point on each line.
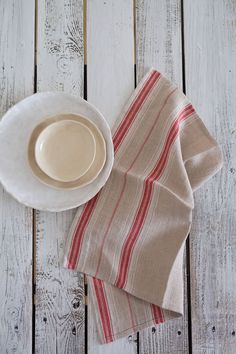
[78, 235]
[142, 210]
[103, 309]
[107, 229]
[130, 310]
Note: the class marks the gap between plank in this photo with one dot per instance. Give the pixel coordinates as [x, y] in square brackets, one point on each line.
[85, 32]
[189, 312]
[33, 210]
[135, 84]
[33, 277]
[85, 97]
[134, 31]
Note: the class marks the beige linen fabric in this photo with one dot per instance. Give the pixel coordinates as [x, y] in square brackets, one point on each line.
[129, 239]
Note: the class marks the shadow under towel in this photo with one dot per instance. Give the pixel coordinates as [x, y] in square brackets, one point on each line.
[129, 239]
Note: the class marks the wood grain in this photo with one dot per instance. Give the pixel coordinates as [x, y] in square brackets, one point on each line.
[158, 44]
[110, 55]
[158, 38]
[210, 42]
[110, 60]
[59, 326]
[16, 82]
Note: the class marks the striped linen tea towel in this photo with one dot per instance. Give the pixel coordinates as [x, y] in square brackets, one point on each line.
[129, 239]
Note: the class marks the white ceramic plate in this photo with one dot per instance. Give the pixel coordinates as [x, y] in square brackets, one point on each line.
[16, 129]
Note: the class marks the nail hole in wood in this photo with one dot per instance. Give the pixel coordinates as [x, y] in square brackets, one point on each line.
[153, 330]
[76, 304]
[44, 319]
[16, 328]
[179, 333]
[74, 331]
[213, 329]
[233, 333]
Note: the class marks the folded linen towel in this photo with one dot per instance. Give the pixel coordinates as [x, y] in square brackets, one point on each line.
[129, 239]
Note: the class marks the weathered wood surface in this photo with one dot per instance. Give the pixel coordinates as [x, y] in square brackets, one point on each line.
[16, 82]
[58, 323]
[59, 316]
[158, 38]
[158, 44]
[110, 55]
[110, 81]
[210, 47]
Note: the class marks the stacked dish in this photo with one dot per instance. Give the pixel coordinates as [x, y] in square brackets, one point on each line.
[56, 151]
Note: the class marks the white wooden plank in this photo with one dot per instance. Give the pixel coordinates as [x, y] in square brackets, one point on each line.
[158, 44]
[210, 42]
[158, 38]
[110, 67]
[59, 315]
[110, 55]
[16, 82]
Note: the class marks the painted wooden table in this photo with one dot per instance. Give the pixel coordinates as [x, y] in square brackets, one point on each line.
[99, 50]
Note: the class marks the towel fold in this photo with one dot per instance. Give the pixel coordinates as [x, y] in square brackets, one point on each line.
[129, 239]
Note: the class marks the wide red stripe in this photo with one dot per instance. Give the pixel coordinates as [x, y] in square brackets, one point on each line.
[126, 126]
[145, 201]
[131, 114]
[90, 206]
[146, 82]
[103, 309]
[173, 131]
[157, 314]
[133, 236]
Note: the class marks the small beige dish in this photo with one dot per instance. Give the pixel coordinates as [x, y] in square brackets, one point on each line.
[45, 165]
[65, 150]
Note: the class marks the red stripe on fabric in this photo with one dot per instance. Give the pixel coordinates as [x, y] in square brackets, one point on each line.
[78, 234]
[132, 237]
[135, 107]
[125, 180]
[130, 311]
[142, 210]
[157, 314]
[103, 309]
[107, 230]
[132, 103]
[172, 134]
